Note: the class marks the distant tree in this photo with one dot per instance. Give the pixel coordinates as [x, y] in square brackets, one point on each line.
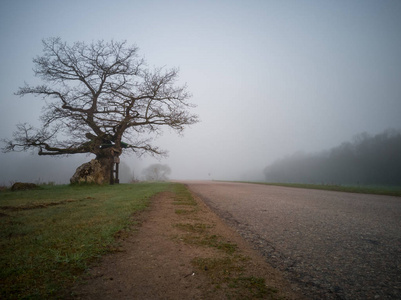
[367, 160]
[102, 99]
[157, 172]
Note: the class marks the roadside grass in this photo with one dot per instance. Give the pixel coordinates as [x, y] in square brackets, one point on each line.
[229, 273]
[210, 240]
[360, 189]
[184, 211]
[49, 236]
[184, 200]
[194, 228]
[182, 195]
[227, 268]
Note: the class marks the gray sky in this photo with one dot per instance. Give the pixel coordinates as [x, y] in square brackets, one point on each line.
[269, 77]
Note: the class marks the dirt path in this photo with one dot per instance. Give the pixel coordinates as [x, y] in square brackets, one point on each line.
[183, 250]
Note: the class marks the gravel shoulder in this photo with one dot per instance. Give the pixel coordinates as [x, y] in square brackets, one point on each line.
[177, 253]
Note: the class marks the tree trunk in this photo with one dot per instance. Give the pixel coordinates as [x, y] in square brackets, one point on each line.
[106, 158]
[98, 170]
[107, 163]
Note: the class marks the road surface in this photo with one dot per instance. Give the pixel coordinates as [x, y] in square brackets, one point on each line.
[330, 245]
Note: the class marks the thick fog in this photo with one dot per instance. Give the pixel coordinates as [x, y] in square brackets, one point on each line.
[366, 160]
[269, 78]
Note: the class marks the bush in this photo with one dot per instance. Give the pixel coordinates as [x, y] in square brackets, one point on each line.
[21, 186]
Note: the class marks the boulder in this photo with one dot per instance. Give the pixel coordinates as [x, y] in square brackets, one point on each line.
[90, 172]
[21, 186]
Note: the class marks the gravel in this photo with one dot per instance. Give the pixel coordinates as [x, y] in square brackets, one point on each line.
[330, 245]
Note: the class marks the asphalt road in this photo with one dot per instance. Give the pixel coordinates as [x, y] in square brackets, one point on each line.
[330, 245]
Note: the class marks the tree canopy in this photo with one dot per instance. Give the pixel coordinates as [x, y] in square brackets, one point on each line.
[156, 172]
[101, 96]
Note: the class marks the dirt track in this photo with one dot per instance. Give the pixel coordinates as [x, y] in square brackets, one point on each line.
[332, 245]
[155, 262]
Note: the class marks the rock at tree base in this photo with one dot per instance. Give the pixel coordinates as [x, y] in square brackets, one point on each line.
[21, 186]
[90, 172]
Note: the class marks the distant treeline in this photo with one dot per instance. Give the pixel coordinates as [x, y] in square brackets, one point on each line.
[367, 160]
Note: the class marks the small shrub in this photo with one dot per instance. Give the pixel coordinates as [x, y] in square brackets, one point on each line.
[22, 186]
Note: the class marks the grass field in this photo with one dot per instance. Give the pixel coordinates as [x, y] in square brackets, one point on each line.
[49, 236]
[369, 189]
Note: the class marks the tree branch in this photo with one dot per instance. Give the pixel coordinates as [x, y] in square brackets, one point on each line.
[102, 91]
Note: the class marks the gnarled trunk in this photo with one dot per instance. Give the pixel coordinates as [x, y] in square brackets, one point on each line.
[98, 170]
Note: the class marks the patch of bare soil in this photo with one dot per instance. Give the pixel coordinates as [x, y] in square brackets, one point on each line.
[183, 251]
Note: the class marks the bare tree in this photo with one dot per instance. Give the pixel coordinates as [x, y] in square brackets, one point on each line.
[157, 172]
[101, 99]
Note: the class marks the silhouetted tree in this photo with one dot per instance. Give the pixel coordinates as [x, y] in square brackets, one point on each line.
[102, 99]
[157, 172]
[365, 160]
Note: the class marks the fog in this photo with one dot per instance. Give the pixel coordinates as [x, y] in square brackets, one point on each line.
[366, 160]
[269, 78]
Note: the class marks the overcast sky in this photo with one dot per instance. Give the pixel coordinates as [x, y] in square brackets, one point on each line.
[269, 78]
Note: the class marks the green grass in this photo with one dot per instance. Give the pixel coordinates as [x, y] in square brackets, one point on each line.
[213, 241]
[184, 211]
[184, 200]
[48, 237]
[182, 195]
[228, 273]
[360, 189]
